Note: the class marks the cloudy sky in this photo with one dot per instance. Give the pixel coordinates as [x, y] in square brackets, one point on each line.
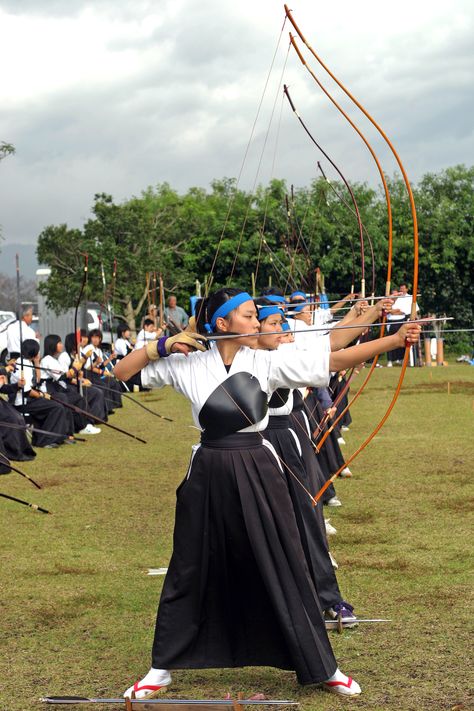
[116, 95]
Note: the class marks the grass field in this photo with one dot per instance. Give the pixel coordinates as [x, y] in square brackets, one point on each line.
[77, 610]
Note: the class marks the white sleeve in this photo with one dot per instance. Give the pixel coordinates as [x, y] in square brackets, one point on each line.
[50, 368]
[161, 372]
[299, 368]
[120, 347]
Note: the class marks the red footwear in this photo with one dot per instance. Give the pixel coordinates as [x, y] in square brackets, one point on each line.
[154, 690]
[343, 688]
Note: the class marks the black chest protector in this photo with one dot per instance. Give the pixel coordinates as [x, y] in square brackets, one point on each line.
[298, 402]
[279, 398]
[236, 403]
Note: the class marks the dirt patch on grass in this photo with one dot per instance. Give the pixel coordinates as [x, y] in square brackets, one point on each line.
[460, 504]
[377, 563]
[51, 482]
[359, 516]
[73, 570]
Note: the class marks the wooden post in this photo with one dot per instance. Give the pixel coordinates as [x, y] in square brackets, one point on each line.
[254, 291]
[427, 343]
[439, 351]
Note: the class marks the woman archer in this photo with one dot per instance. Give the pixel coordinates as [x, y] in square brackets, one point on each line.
[238, 591]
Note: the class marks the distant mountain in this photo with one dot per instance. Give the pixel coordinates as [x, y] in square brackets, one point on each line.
[27, 254]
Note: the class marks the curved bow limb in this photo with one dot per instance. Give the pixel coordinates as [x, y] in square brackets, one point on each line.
[35, 507]
[415, 229]
[356, 208]
[388, 142]
[7, 462]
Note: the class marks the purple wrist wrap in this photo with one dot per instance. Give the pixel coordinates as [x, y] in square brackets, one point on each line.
[161, 348]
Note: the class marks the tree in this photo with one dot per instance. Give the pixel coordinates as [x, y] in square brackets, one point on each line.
[8, 292]
[277, 233]
[6, 149]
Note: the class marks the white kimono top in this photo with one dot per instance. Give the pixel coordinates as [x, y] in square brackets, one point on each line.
[198, 375]
[52, 369]
[28, 373]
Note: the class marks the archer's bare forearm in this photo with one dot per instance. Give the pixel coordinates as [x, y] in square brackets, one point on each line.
[340, 338]
[351, 357]
[341, 303]
[131, 364]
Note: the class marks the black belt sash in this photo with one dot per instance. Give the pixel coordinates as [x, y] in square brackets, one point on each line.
[238, 440]
[279, 422]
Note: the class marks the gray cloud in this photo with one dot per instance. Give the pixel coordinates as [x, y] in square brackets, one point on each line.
[184, 114]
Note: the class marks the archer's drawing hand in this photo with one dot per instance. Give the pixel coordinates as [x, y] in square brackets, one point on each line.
[408, 334]
[185, 342]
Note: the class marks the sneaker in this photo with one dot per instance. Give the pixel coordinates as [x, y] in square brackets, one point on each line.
[389, 364]
[341, 684]
[334, 501]
[90, 430]
[53, 445]
[344, 428]
[333, 561]
[346, 473]
[341, 440]
[345, 612]
[330, 530]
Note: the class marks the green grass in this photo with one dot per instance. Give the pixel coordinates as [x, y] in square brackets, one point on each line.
[77, 610]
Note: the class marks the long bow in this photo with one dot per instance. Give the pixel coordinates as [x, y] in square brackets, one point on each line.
[415, 249]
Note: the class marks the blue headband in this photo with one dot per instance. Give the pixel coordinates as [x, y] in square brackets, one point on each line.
[297, 307]
[264, 312]
[226, 308]
[298, 293]
[276, 299]
[285, 326]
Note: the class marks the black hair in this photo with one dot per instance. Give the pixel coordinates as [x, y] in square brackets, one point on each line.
[263, 301]
[121, 328]
[148, 322]
[95, 332]
[30, 348]
[50, 345]
[206, 308]
[272, 291]
[70, 343]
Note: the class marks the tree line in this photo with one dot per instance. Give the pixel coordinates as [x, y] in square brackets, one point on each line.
[278, 234]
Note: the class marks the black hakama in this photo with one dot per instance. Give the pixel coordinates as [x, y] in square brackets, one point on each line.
[47, 415]
[238, 590]
[326, 457]
[112, 393]
[95, 401]
[336, 385]
[15, 443]
[310, 518]
[76, 420]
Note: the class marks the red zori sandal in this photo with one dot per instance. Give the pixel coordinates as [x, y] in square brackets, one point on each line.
[343, 688]
[153, 690]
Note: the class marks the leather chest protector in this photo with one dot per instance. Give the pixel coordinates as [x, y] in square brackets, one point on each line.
[236, 403]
